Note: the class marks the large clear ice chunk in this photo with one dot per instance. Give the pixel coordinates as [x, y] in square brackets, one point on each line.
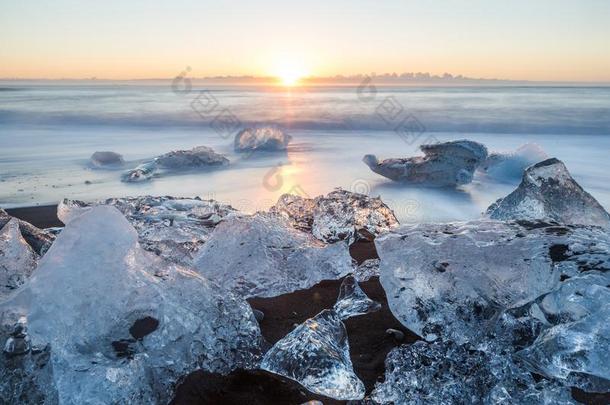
[548, 192]
[316, 353]
[454, 279]
[262, 255]
[340, 215]
[17, 259]
[444, 164]
[103, 321]
[173, 228]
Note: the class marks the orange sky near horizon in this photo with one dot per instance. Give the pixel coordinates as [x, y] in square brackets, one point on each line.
[548, 41]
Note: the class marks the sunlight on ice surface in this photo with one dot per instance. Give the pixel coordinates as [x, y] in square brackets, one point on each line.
[339, 215]
[110, 323]
[316, 353]
[262, 255]
[548, 192]
[264, 139]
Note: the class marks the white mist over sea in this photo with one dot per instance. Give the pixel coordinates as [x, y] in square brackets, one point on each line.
[48, 131]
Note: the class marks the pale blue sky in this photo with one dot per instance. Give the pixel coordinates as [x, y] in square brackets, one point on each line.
[537, 40]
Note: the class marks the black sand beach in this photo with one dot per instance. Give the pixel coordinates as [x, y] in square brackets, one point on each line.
[369, 343]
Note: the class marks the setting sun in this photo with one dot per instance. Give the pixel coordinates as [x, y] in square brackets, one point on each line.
[290, 71]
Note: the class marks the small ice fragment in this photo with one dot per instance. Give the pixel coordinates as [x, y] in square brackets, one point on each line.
[264, 138]
[316, 353]
[352, 301]
[17, 259]
[106, 158]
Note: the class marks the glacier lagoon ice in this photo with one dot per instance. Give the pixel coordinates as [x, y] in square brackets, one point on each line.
[444, 164]
[173, 228]
[17, 259]
[534, 291]
[509, 166]
[261, 139]
[316, 353]
[447, 373]
[39, 239]
[262, 255]
[339, 215]
[106, 159]
[103, 321]
[548, 192]
[179, 160]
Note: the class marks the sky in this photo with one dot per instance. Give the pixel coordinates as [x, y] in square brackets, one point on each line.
[130, 39]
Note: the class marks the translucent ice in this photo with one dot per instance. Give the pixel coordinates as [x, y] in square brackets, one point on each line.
[264, 138]
[340, 215]
[454, 279]
[446, 373]
[107, 322]
[179, 160]
[548, 192]
[316, 353]
[173, 228]
[17, 259]
[510, 166]
[39, 239]
[262, 255]
[445, 164]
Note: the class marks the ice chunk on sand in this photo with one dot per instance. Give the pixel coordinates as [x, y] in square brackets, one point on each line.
[548, 192]
[110, 323]
[264, 139]
[316, 353]
[510, 166]
[179, 160]
[262, 255]
[171, 227]
[39, 239]
[446, 373]
[454, 279]
[340, 215]
[106, 158]
[445, 164]
[17, 259]
[576, 347]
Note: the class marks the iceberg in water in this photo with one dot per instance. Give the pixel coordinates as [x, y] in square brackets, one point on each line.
[106, 158]
[316, 353]
[340, 215]
[179, 160]
[17, 259]
[103, 321]
[173, 228]
[446, 164]
[548, 192]
[263, 139]
[262, 255]
[510, 166]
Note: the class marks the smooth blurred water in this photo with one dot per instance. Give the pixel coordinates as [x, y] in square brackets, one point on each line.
[49, 131]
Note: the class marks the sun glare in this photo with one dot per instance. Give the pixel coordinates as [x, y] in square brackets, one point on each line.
[290, 72]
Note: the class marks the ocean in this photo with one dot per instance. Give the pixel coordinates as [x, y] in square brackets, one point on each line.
[48, 131]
